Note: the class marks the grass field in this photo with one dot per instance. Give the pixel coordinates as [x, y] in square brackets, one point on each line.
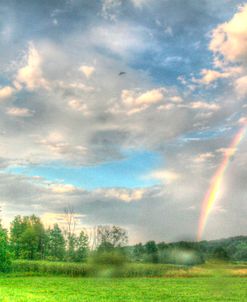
[67, 289]
[69, 282]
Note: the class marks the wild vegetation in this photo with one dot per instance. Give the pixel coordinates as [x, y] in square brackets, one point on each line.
[37, 264]
[30, 247]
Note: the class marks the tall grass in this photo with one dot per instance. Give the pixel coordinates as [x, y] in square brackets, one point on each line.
[54, 268]
[25, 267]
[90, 270]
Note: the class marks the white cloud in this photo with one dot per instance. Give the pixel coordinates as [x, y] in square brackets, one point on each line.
[62, 188]
[140, 101]
[229, 47]
[6, 92]
[240, 86]
[204, 105]
[79, 106]
[176, 99]
[31, 75]
[87, 70]
[165, 176]
[153, 96]
[208, 76]
[201, 158]
[230, 38]
[123, 39]
[227, 151]
[19, 112]
[60, 146]
[126, 195]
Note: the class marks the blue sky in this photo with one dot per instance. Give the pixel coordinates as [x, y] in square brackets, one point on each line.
[130, 172]
[139, 149]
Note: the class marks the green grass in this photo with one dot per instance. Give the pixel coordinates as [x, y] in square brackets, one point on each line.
[67, 289]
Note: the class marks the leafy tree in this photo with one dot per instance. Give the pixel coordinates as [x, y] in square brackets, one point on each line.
[56, 243]
[110, 237]
[138, 252]
[220, 253]
[17, 228]
[28, 237]
[151, 251]
[5, 260]
[241, 255]
[71, 247]
[81, 247]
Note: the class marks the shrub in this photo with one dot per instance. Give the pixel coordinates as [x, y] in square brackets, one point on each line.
[114, 257]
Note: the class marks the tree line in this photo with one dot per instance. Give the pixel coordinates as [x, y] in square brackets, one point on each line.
[27, 238]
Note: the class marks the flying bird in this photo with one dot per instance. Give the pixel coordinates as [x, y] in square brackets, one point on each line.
[121, 73]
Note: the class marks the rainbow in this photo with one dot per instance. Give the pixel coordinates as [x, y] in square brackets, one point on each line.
[216, 182]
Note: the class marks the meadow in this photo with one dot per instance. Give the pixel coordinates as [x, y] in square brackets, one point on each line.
[71, 282]
[128, 270]
[67, 289]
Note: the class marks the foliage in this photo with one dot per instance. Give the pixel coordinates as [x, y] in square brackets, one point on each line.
[151, 251]
[190, 253]
[28, 237]
[220, 253]
[110, 237]
[56, 243]
[112, 258]
[5, 260]
[82, 247]
[29, 240]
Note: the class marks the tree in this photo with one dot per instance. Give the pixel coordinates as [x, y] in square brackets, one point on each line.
[5, 262]
[151, 251]
[71, 247]
[28, 237]
[110, 237]
[70, 219]
[138, 252]
[220, 253]
[81, 247]
[17, 228]
[56, 243]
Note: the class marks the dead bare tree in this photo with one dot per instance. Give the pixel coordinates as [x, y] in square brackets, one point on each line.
[70, 220]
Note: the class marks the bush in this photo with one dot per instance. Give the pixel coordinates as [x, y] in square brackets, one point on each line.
[114, 258]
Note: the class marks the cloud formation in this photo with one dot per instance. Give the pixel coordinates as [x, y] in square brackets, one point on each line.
[64, 108]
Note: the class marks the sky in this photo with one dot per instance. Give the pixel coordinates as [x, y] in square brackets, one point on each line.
[123, 110]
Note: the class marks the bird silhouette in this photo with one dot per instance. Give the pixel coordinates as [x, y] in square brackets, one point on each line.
[121, 73]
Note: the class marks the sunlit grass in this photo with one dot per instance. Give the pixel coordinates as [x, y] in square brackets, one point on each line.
[20, 289]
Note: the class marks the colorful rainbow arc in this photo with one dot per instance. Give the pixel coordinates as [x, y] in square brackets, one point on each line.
[216, 182]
